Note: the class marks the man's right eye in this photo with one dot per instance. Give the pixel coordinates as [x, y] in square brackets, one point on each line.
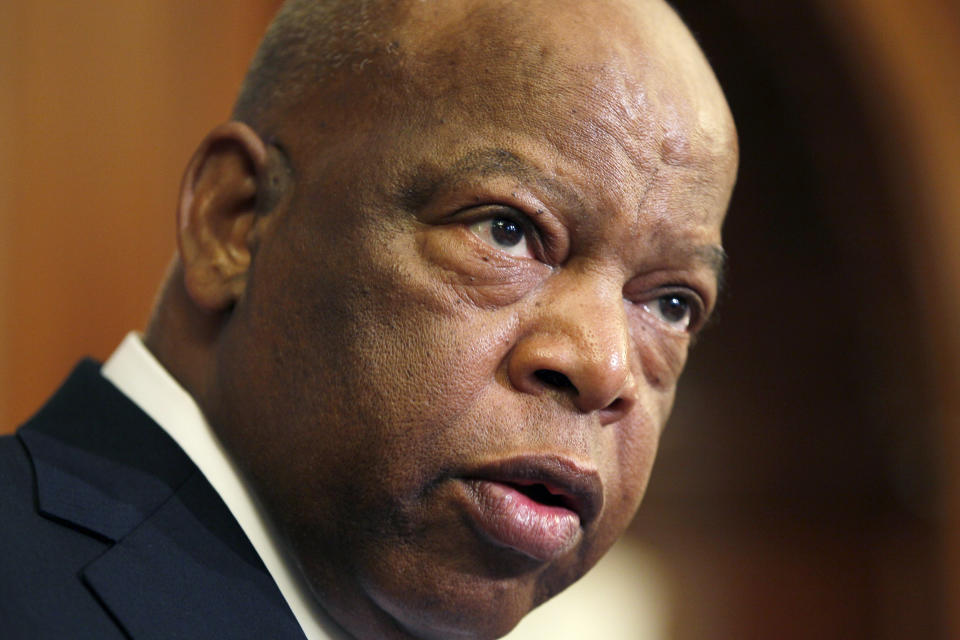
[504, 234]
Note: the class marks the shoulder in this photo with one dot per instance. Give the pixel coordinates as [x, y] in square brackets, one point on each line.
[14, 465]
[17, 501]
[41, 593]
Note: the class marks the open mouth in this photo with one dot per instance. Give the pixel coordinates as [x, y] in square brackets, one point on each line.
[512, 516]
[550, 481]
[538, 506]
[540, 493]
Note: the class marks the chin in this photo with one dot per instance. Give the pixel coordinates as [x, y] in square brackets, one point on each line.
[478, 616]
[442, 604]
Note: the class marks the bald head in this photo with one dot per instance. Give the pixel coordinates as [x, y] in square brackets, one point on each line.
[425, 50]
[452, 249]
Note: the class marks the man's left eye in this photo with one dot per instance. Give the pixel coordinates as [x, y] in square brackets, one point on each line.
[504, 234]
[674, 309]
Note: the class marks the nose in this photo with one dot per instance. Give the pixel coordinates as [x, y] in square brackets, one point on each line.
[579, 346]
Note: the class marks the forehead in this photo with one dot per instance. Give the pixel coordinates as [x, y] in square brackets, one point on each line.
[616, 66]
[625, 74]
[634, 58]
[613, 98]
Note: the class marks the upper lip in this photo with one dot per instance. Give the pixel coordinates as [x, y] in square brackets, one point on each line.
[579, 487]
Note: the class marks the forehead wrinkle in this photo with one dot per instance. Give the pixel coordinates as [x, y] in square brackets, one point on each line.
[671, 190]
[638, 131]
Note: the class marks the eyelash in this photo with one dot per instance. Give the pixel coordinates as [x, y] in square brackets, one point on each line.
[695, 305]
[533, 234]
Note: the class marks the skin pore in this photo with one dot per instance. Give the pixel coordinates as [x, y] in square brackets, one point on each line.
[467, 253]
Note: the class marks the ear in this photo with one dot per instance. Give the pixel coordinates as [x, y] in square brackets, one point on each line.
[218, 216]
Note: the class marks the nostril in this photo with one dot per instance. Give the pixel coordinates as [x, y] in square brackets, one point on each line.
[616, 406]
[554, 379]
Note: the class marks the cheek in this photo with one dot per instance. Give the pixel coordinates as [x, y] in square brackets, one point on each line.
[423, 325]
[661, 354]
[412, 356]
[630, 450]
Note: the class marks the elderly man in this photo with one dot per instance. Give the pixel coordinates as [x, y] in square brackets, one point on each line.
[435, 285]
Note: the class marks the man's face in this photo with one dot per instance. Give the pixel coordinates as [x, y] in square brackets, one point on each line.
[459, 343]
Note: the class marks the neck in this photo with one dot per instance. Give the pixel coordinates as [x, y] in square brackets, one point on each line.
[183, 337]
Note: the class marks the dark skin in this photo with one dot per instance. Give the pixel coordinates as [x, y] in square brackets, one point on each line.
[501, 253]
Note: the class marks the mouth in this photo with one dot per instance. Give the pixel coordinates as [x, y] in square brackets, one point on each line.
[536, 505]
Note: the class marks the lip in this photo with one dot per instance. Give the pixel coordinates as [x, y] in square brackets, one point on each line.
[537, 505]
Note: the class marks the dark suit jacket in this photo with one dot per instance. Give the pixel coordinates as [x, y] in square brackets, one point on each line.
[107, 530]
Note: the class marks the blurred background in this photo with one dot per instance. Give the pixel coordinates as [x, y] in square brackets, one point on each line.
[808, 484]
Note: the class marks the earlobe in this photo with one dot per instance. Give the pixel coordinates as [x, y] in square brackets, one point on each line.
[218, 215]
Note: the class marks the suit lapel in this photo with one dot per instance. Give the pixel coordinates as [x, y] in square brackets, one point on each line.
[188, 572]
[180, 566]
[100, 463]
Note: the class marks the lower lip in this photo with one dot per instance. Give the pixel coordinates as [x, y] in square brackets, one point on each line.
[511, 519]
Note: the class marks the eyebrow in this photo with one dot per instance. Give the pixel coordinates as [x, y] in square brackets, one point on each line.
[714, 257]
[483, 163]
[428, 180]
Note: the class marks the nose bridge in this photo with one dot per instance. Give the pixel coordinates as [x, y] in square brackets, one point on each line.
[578, 329]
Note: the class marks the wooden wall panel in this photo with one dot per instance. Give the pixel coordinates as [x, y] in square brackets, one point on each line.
[908, 54]
[102, 104]
[6, 203]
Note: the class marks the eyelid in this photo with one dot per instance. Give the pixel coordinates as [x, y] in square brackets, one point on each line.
[533, 232]
[698, 306]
